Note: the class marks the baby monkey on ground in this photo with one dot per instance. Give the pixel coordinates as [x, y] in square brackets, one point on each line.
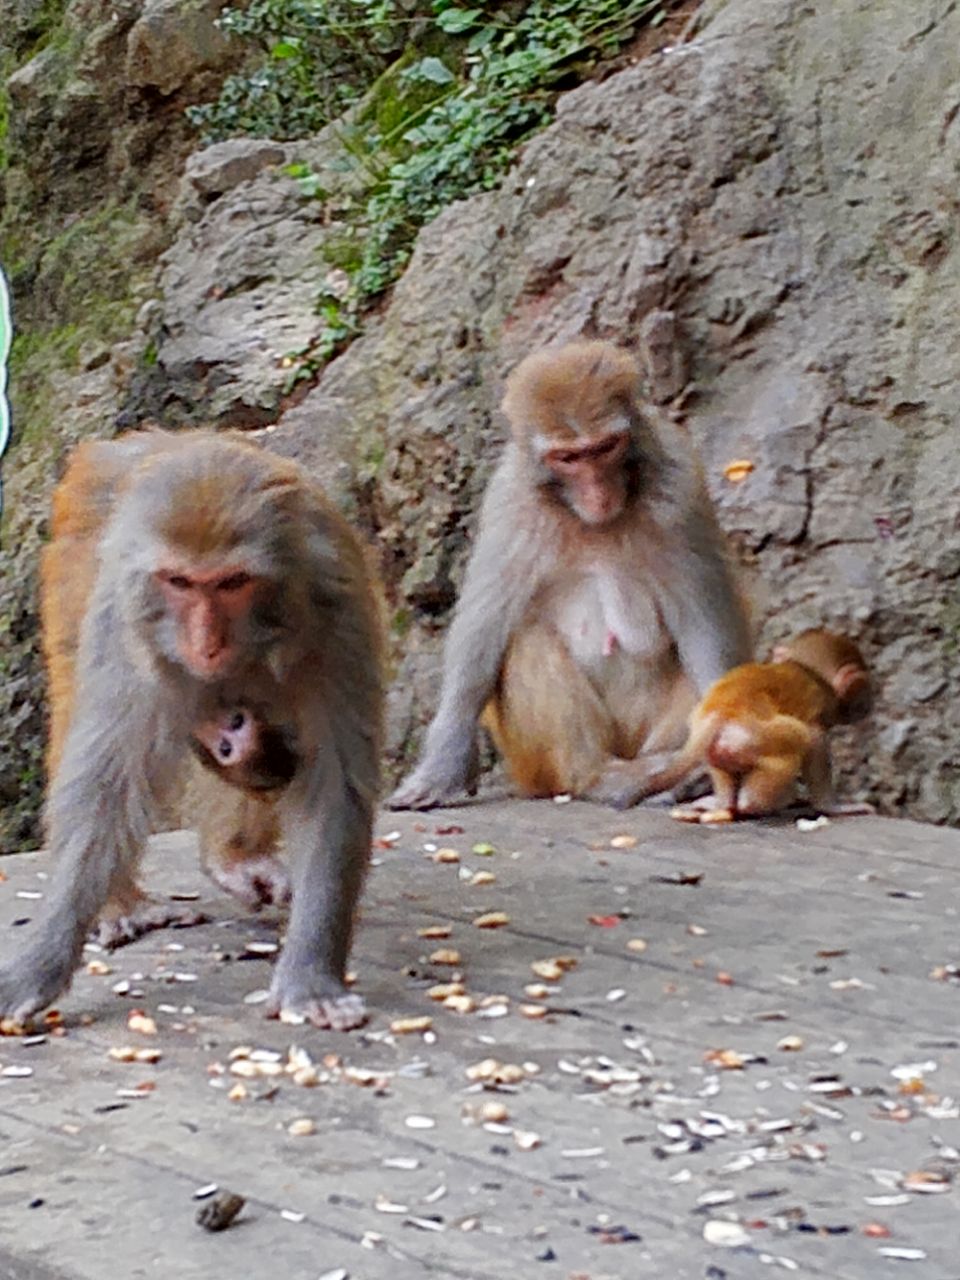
[763, 727]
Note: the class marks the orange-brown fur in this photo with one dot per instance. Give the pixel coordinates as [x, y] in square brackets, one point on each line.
[569, 398]
[762, 727]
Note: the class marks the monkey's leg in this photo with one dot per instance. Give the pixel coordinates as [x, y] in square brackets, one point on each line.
[130, 913]
[718, 807]
[769, 787]
[548, 722]
[239, 834]
[817, 776]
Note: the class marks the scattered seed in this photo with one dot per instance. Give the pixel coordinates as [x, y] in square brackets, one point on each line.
[445, 955]
[410, 1026]
[813, 824]
[446, 855]
[340, 1273]
[407, 1163]
[637, 945]
[728, 1235]
[16, 1073]
[460, 1003]
[141, 1023]
[480, 878]
[301, 1128]
[203, 1193]
[383, 1205]
[926, 1182]
[553, 968]
[435, 931]
[526, 1140]
[903, 1255]
[492, 920]
[257, 997]
[261, 948]
[483, 849]
[533, 1011]
[420, 1122]
[790, 1044]
[616, 995]
[443, 990]
[289, 1215]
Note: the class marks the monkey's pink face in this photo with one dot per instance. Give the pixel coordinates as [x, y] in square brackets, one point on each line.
[593, 476]
[211, 615]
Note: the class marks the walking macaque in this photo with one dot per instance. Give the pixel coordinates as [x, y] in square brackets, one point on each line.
[763, 727]
[191, 578]
[598, 601]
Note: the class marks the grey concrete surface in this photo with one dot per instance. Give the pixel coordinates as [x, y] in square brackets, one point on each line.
[819, 960]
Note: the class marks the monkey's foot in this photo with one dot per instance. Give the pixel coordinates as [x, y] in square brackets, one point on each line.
[257, 882]
[622, 784]
[291, 1001]
[30, 986]
[124, 922]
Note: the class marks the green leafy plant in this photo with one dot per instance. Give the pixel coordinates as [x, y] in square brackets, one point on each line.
[451, 91]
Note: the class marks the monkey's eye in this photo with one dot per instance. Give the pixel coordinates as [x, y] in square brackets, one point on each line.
[608, 446]
[236, 582]
[564, 458]
[178, 582]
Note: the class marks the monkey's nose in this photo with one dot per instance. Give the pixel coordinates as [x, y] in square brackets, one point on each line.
[225, 748]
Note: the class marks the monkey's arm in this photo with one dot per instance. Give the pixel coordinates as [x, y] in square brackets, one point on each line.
[328, 820]
[99, 814]
[501, 579]
[702, 605]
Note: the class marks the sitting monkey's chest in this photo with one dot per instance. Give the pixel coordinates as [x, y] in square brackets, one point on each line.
[611, 625]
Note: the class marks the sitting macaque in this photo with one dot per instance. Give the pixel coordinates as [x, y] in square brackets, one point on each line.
[598, 603]
[763, 727]
[245, 751]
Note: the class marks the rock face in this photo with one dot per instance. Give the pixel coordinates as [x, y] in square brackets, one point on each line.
[768, 212]
[783, 187]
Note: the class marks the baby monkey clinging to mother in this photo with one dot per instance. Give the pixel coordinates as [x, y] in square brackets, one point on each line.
[763, 727]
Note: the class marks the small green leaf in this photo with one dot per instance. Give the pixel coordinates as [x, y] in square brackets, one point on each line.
[285, 49]
[430, 69]
[455, 21]
[484, 850]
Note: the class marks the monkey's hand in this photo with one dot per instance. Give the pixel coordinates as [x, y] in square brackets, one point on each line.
[256, 881]
[624, 783]
[32, 985]
[305, 996]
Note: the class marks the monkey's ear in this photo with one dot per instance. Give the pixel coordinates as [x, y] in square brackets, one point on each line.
[852, 686]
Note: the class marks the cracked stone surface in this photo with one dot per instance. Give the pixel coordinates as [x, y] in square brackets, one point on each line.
[755, 1042]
